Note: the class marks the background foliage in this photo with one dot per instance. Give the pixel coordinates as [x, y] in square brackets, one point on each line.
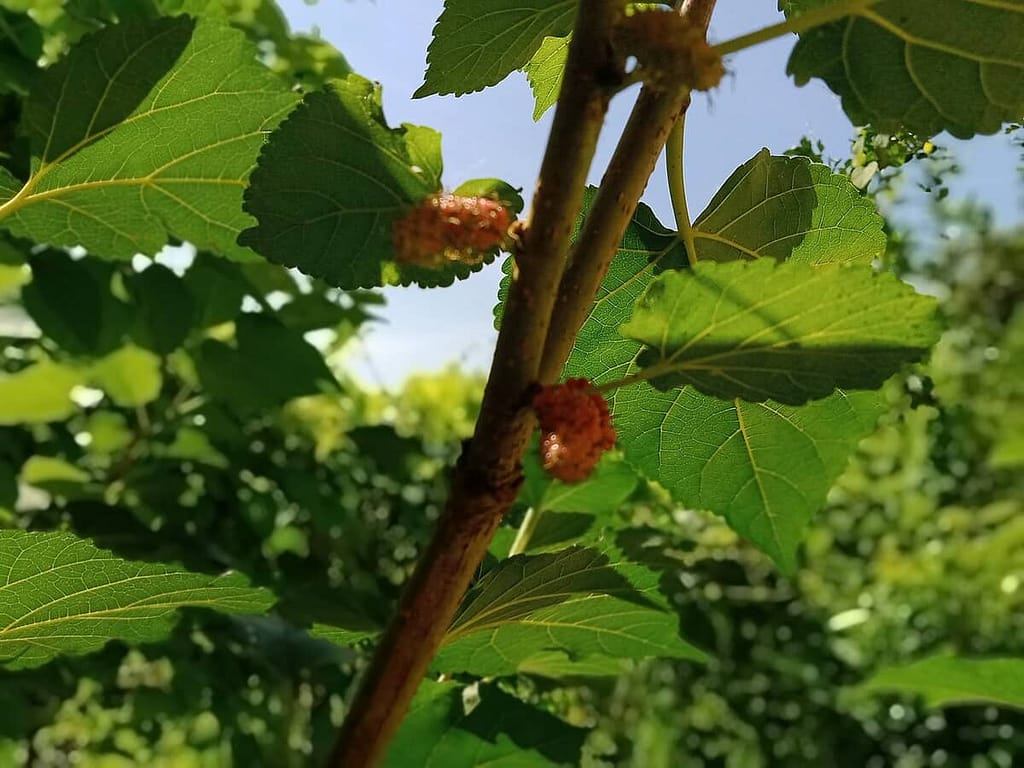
[193, 410]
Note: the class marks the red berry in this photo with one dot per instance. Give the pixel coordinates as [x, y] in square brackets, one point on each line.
[444, 228]
[576, 429]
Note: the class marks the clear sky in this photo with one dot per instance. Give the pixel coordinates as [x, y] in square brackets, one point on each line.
[492, 134]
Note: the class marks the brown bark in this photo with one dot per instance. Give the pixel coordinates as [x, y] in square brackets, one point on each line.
[487, 478]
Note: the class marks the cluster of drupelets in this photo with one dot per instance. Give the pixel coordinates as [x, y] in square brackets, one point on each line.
[574, 420]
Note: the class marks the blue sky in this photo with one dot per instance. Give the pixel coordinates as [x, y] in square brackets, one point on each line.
[492, 134]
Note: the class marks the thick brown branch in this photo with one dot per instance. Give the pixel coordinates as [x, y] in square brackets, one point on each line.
[655, 113]
[488, 476]
[624, 182]
[698, 12]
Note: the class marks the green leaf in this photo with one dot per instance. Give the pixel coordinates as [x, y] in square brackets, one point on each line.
[500, 730]
[21, 45]
[948, 680]
[788, 332]
[765, 467]
[192, 445]
[478, 43]
[38, 394]
[496, 188]
[217, 288]
[9, 185]
[114, 171]
[270, 366]
[693, 443]
[315, 310]
[331, 181]
[341, 635]
[71, 302]
[130, 376]
[576, 601]
[571, 513]
[559, 666]
[789, 208]
[61, 595]
[602, 493]
[544, 72]
[51, 473]
[921, 65]
[164, 308]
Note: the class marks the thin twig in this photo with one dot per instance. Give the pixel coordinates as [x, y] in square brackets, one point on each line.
[526, 531]
[799, 24]
[677, 188]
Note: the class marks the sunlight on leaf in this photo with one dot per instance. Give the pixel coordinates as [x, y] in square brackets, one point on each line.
[61, 595]
[947, 680]
[478, 43]
[921, 65]
[113, 171]
[578, 601]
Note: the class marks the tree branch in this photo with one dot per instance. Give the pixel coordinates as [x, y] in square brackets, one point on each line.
[624, 182]
[656, 111]
[698, 12]
[488, 475]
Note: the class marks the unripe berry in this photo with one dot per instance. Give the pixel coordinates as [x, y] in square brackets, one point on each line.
[446, 228]
[576, 429]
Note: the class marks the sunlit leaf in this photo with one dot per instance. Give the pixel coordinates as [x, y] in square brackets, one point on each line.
[948, 680]
[61, 595]
[38, 394]
[130, 376]
[114, 167]
[788, 208]
[922, 65]
[478, 43]
[694, 443]
[331, 181]
[577, 601]
[544, 71]
[789, 332]
[341, 636]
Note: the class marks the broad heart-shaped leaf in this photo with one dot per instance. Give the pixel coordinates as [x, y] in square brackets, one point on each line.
[790, 332]
[478, 43]
[498, 730]
[576, 601]
[922, 65]
[769, 483]
[765, 467]
[331, 181]
[545, 71]
[948, 680]
[61, 595]
[145, 131]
